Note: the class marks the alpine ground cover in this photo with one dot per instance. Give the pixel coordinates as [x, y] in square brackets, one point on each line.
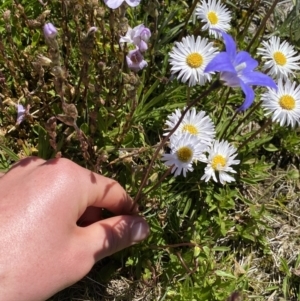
[194, 108]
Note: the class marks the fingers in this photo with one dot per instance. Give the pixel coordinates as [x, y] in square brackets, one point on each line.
[107, 193]
[85, 186]
[92, 189]
[111, 235]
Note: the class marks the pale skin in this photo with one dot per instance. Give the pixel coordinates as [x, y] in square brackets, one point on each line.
[42, 247]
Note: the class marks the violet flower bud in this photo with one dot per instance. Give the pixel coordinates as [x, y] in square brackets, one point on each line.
[135, 60]
[143, 46]
[50, 31]
[145, 34]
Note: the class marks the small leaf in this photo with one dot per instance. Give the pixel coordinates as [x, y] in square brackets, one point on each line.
[10, 153]
[35, 38]
[225, 274]
[270, 147]
[293, 174]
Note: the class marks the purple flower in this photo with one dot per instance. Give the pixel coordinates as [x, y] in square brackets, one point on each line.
[237, 70]
[135, 60]
[21, 113]
[138, 36]
[116, 3]
[50, 32]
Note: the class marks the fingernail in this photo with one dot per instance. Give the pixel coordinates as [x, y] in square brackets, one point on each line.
[139, 231]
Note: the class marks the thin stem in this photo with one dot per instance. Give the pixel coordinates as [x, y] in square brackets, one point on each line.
[263, 24]
[266, 124]
[223, 107]
[250, 112]
[188, 95]
[166, 173]
[183, 263]
[229, 123]
[214, 85]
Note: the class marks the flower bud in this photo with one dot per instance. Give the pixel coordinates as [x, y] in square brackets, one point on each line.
[143, 46]
[43, 60]
[145, 34]
[50, 32]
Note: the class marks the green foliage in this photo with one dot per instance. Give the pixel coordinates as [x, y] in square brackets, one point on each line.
[207, 240]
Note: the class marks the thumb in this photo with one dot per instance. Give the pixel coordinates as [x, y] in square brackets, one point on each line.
[111, 235]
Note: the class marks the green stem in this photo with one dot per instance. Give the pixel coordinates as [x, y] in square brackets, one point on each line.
[188, 95]
[266, 124]
[229, 123]
[223, 107]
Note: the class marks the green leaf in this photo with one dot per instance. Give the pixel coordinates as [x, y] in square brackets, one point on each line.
[270, 147]
[35, 38]
[13, 156]
[43, 145]
[221, 249]
[85, 128]
[285, 267]
[225, 274]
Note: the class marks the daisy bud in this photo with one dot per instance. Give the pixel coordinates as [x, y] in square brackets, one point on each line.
[50, 32]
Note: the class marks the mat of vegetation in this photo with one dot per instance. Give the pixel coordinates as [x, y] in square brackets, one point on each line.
[194, 107]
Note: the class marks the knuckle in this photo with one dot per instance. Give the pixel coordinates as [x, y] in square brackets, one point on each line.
[64, 169]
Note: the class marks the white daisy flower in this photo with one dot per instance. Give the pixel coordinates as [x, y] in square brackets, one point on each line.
[198, 124]
[190, 57]
[185, 149]
[215, 16]
[281, 61]
[283, 104]
[221, 156]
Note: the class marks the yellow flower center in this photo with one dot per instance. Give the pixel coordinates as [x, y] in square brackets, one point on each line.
[218, 161]
[212, 17]
[184, 154]
[190, 128]
[279, 58]
[194, 60]
[287, 102]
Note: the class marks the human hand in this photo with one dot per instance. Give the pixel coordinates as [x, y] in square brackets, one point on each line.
[42, 248]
